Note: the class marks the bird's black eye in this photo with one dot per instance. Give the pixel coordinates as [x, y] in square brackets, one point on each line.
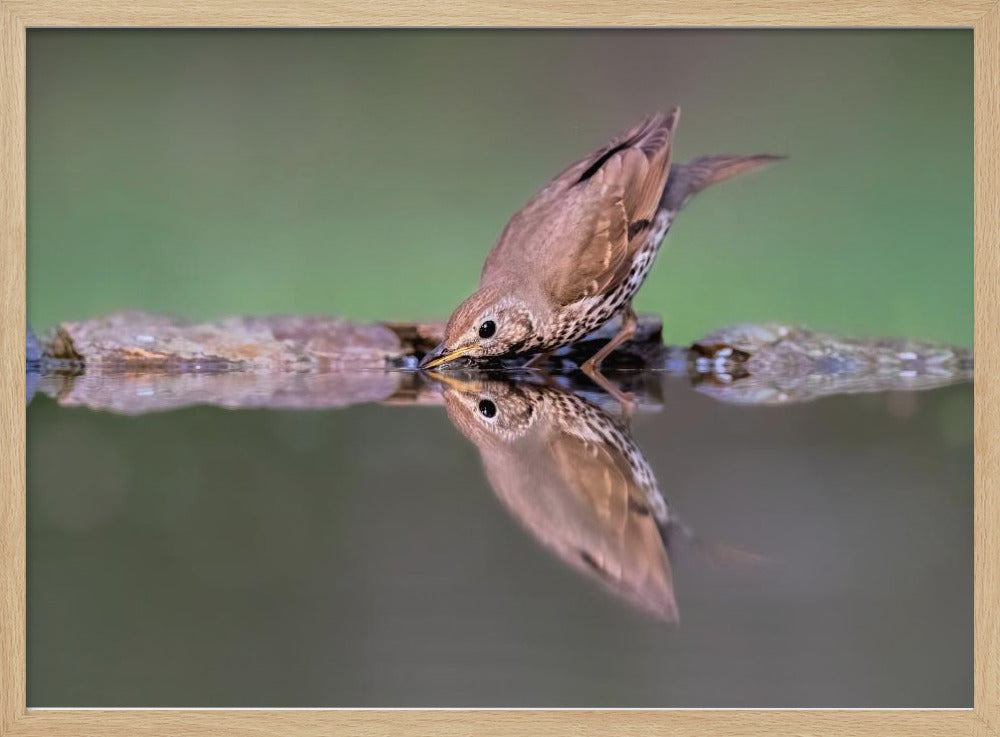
[487, 409]
[487, 329]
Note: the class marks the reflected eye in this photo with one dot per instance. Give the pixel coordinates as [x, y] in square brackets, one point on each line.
[487, 409]
[487, 329]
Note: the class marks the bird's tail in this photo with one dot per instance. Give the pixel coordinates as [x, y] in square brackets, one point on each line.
[676, 534]
[687, 180]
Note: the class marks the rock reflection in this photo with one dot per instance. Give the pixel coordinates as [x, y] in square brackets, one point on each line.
[574, 478]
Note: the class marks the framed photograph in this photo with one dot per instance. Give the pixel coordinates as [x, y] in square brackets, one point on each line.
[483, 370]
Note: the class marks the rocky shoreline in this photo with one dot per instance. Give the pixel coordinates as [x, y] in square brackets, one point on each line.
[133, 362]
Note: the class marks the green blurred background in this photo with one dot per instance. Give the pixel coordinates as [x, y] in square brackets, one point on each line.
[367, 173]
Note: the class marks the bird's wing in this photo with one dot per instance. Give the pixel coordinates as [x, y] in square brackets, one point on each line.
[580, 232]
[622, 542]
[580, 499]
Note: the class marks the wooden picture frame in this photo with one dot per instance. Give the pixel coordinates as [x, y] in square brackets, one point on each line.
[17, 16]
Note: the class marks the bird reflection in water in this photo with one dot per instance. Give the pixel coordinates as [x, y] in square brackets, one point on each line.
[575, 479]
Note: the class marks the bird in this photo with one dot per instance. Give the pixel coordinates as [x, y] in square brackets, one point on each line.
[575, 255]
[576, 481]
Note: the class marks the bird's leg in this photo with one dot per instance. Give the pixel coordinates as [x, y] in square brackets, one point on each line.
[629, 325]
[537, 359]
[592, 366]
[626, 400]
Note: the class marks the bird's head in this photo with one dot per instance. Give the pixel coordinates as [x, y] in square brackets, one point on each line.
[489, 411]
[491, 322]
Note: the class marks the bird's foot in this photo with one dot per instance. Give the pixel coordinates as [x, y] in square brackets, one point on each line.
[625, 399]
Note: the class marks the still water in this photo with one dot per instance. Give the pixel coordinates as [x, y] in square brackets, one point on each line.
[483, 542]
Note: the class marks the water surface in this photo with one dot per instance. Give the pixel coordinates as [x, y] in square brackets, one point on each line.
[417, 552]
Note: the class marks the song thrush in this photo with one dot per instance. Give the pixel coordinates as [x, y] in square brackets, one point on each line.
[575, 479]
[575, 255]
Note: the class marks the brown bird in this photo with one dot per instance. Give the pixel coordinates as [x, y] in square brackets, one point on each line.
[576, 481]
[575, 255]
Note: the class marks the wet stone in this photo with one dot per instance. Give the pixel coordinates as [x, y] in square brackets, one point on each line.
[779, 364]
[32, 349]
[133, 393]
[282, 343]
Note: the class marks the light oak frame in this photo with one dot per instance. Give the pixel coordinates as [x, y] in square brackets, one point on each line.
[16, 16]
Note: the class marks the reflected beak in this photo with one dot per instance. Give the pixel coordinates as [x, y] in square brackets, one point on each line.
[451, 385]
[440, 356]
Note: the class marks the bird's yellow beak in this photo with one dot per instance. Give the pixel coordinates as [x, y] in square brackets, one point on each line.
[454, 385]
[440, 356]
